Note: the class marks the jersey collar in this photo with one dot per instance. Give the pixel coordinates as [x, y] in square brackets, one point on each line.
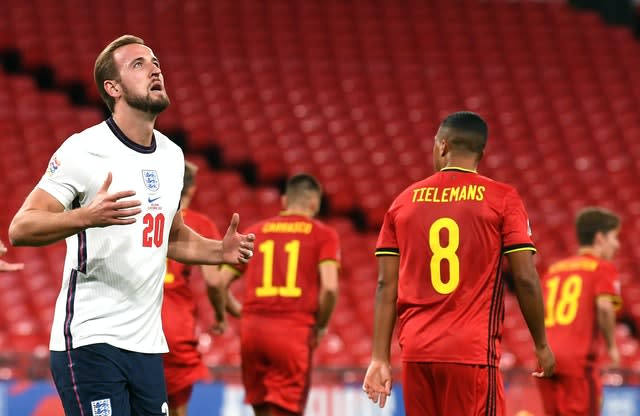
[127, 141]
[455, 168]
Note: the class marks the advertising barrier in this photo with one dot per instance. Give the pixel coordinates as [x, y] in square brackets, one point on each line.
[219, 399]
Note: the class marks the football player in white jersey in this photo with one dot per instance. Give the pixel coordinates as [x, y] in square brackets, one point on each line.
[113, 191]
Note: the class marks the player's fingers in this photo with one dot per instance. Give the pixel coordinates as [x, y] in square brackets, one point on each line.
[538, 374]
[233, 226]
[124, 213]
[122, 194]
[126, 204]
[250, 238]
[122, 221]
[382, 400]
[387, 387]
[106, 183]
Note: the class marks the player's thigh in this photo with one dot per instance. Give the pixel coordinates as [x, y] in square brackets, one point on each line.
[418, 389]
[276, 367]
[548, 388]
[147, 390]
[452, 389]
[580, 395]
[90, 381]
[180, 399]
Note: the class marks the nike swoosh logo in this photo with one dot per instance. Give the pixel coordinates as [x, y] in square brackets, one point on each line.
[151, 200]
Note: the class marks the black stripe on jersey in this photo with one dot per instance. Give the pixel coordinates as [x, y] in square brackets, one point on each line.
[496, 314]
[82, 243]
[69, 307]
[127, 141]
[516, 247]
[386, 251]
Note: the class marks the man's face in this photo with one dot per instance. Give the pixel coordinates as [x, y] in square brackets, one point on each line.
[141, 80]
[609, 243]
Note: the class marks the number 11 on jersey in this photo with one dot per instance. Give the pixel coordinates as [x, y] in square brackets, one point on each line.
[290, 290]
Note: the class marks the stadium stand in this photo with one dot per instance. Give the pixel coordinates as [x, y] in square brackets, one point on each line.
[351, 92]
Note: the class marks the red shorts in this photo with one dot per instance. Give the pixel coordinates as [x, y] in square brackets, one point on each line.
[180, 398]
[434, 389]
[276, 364]
[178, 378]
[572, 395]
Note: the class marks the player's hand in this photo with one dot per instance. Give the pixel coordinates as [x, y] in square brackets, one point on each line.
[10, 267]
[236, 247]
[318, 335]
[109, 209]
[614, 357]
[546, 362]
[377, 382]
[219, 327]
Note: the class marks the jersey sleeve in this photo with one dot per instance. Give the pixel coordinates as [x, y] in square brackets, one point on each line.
[330, 246]
[387, 244]
[516, 232]
[66, 177]
[608, 284]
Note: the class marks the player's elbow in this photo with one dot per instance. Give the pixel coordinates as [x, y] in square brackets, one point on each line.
[17, 235]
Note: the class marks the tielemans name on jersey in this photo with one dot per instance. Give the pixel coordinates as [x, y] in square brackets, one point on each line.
[298, 227]
[449, 194]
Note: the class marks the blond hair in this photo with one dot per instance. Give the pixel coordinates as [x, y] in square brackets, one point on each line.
[105, 66]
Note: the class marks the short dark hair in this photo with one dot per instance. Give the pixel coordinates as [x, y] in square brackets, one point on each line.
[105, 67]
[592, 220]
[467, 131]
[298, 186]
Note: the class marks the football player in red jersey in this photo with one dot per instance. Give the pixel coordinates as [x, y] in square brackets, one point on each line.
[439, 257]
[290, 292]
[183, 364]
[581, 295]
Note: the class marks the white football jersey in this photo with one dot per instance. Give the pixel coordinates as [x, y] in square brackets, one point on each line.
[113, 276]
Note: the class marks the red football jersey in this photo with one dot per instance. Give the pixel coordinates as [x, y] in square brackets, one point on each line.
[450, 231]
[571, 287]
[282, 278]
[179, 304]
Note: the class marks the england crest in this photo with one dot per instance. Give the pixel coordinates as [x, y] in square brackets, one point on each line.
[150, 179]
[101, 407]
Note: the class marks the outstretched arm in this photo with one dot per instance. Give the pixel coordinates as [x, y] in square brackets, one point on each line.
[378, 379]
[529, 294]
[189, 247]
[42, 219]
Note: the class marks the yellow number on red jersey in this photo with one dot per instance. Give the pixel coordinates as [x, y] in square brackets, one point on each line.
[290, 290]
[447, 253]
[562, 300]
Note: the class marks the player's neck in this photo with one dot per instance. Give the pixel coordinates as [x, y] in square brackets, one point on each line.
[136, 125]
[463, 163]
[589, 251]
[297, 211]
